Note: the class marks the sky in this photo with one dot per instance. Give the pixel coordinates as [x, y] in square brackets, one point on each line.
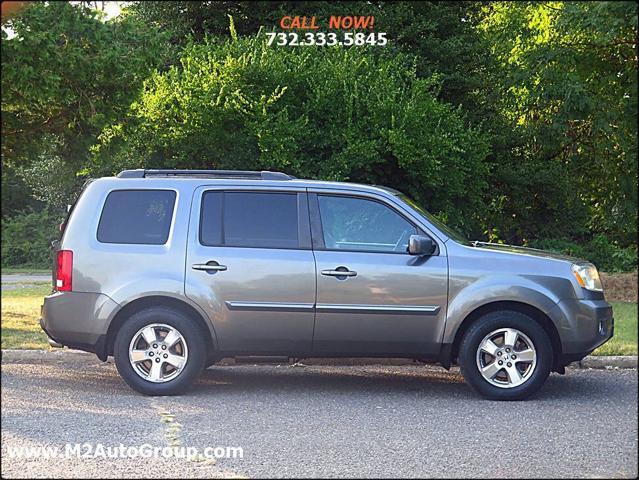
[111, 10]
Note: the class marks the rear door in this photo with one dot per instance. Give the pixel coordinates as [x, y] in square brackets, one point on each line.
[251, 267]
[374, 298]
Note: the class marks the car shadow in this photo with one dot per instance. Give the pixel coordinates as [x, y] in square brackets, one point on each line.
[429, 381]
[331, 379]
[95, 378]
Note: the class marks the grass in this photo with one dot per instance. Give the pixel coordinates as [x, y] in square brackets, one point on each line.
[20, 318]
[624, 342]
[21, 328]
[25, 271]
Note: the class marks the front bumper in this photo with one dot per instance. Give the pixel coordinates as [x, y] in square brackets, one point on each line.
[78, 320]
[585, 325]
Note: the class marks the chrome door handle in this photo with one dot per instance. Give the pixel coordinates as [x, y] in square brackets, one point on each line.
[209, 267]
[344, 272]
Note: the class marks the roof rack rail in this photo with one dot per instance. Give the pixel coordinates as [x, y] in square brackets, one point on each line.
[239, 174]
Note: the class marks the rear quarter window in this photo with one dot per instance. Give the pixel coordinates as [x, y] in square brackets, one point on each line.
[137, 216]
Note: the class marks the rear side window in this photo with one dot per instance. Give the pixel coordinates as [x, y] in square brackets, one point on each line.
[137, 216]
[248, 219]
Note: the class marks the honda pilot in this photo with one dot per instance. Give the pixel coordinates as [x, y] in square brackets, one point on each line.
[169, 271]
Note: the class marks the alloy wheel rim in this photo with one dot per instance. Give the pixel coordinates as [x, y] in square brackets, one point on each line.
[506, 358]
[158, 352]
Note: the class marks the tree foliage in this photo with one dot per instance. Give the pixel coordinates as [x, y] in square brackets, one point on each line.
[26, 239]
[65, 75]
[429, 30]
[516, 121]
[342, 114]
[569, 92]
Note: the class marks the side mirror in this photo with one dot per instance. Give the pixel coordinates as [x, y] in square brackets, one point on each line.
[421, 245]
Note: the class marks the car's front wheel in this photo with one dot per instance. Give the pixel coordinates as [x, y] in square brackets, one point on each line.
[505, 355]
[159, 351]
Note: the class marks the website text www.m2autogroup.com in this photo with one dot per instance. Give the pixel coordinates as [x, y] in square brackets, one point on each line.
[99, 450]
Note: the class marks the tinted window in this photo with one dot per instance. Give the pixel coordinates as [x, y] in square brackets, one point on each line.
[137, 216]
[211, 219]
[363, 225]
[244, 219]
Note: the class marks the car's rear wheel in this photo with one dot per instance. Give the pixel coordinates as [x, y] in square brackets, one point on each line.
[505, 355]
[159, 351]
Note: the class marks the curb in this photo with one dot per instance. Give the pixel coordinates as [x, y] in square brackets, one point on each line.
[60, 356]
[46, 356]
[616, 361]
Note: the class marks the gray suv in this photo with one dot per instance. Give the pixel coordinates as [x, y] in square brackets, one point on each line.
[170, 271]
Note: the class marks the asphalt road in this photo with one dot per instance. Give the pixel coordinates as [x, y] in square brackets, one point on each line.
[19, 280]
[25, 278]
[368, 421]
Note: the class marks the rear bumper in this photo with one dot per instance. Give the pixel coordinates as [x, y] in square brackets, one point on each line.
[586, 325]
[78, 320]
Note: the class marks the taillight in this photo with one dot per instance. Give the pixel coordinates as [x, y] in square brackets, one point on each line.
[64, 271]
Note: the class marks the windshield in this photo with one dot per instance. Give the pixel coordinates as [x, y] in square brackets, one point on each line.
[450, 232]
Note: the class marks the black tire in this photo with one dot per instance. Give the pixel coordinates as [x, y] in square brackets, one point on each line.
[210, 362]
[190, 331]
[488, 323]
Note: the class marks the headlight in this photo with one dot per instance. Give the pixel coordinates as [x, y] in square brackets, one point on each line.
[587, 276]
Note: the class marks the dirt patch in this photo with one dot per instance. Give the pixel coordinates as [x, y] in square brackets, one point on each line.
[620, 287]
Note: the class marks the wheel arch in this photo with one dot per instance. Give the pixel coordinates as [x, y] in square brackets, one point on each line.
[145, 302]
[535, 313]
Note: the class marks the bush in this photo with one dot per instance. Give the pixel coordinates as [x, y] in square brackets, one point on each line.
[607, 256]
[26, 239]
[333, 114]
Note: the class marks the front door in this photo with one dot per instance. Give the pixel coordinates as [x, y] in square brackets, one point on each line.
[373, 298]
[251, 268]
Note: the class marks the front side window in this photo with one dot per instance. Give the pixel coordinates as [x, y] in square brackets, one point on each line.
[358, 224]
[249, 219]
[137, 216]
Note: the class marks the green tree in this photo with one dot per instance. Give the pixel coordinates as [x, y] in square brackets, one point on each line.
[186, 20]
[343, 114]
[441, 35]
[66, 73]
[26, 239]
[514, 120]
[569, 91]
